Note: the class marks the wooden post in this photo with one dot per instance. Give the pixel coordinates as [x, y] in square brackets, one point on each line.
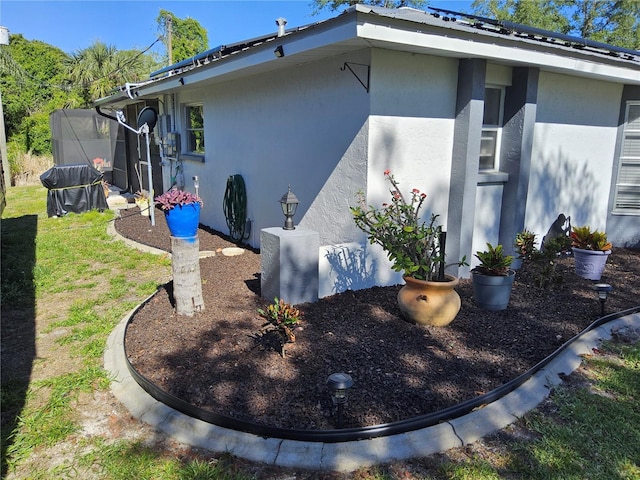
[187, 283]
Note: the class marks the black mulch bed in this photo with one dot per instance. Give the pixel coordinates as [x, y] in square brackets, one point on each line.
[219, 361]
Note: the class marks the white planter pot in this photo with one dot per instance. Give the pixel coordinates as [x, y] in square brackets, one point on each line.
[590, 263]
[143, 205]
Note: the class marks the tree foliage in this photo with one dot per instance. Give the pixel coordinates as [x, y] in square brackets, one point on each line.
[610, 21]
[98, 69]
[616, 22]
[37, 78]
[186, 37]
[33, 83]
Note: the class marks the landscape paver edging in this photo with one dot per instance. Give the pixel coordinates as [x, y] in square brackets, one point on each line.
[351, 455]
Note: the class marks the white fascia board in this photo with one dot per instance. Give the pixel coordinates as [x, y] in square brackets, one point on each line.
[359, 29]
[122, 97]
[299, 48]
[438, 44]
[114, 100]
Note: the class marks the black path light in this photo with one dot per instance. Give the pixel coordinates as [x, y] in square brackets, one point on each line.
[603, 290]
[289, 203]
[339, 384]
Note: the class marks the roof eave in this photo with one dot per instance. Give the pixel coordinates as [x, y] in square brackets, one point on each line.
[386, 28]
[501, 50]
[340, 32]
[360, 26]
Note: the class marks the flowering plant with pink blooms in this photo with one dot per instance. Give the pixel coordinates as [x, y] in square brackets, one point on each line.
[412, 245]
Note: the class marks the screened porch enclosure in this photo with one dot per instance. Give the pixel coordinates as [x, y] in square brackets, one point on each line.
[80, 137]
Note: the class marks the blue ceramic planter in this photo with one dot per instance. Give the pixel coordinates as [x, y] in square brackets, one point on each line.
[183, 220]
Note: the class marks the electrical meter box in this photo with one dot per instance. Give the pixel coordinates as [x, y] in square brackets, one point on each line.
[171, 144]
[164, 125]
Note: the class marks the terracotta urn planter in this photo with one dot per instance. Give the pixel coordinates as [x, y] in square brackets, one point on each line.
[590, 263]
[429, 303]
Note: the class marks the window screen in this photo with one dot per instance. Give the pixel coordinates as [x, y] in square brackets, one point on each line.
[491, 128]
[195, 129]
[627, 196]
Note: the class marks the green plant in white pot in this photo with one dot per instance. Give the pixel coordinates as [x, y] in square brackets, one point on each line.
[493, 278]
[590, 251]
[141, 199]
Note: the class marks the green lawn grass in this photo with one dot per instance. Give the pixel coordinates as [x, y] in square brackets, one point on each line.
[71, 263]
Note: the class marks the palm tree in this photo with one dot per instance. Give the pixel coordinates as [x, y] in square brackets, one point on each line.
[98, 69]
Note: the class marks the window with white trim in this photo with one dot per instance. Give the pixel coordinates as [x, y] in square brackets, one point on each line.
[491, 128]
[194, 130]
[627, 193]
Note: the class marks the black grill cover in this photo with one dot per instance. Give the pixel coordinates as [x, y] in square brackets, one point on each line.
[73, 188]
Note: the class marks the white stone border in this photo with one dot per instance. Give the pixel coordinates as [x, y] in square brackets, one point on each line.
[111, 230]
[351, 455]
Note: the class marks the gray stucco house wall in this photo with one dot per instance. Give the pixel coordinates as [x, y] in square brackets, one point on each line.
[376, 89]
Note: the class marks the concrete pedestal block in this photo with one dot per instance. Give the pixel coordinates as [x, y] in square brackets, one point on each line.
[289, 264]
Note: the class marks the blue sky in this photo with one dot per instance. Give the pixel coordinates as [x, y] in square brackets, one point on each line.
[72, 25]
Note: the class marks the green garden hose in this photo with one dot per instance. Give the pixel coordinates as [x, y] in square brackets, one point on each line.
[235, 208]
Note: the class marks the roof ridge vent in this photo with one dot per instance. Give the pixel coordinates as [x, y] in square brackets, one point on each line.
[281, 22]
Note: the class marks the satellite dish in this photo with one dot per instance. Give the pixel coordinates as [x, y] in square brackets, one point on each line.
[149, 116]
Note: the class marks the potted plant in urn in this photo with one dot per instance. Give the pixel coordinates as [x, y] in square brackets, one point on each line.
[141, 199]
[182, 211]
[590, 250]
[415, 248]
[493, 278]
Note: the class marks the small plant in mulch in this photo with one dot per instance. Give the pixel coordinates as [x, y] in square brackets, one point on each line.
[281, 317]
[541, 264]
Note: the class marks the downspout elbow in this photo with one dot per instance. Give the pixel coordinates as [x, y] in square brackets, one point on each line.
[110, 117]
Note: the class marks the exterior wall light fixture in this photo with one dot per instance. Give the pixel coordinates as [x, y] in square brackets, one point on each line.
[289, 203]
[279, 51]
[196, 184]
[603, 290]
[339, 384]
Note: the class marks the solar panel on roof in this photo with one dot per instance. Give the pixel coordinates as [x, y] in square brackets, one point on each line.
[507, 27]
